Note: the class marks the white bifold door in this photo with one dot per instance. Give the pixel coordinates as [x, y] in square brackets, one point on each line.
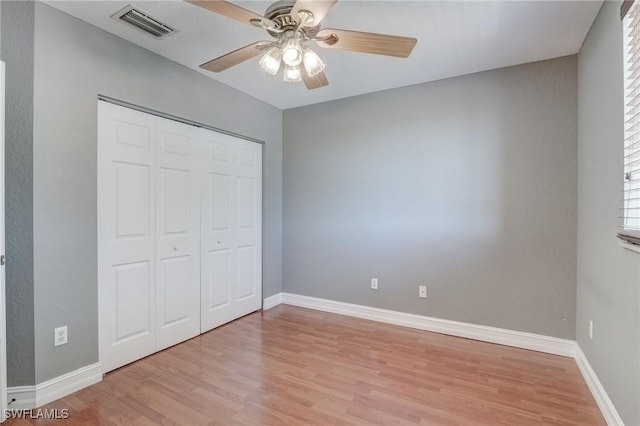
[179, 231]
[231, 231]
[177, 256]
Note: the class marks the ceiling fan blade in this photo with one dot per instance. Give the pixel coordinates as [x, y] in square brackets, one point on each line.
[237, 56]
[357, 41]
[315, 82]
[319, 9]
[232, 11]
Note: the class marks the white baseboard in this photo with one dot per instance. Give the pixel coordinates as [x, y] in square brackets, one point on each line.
[21, 397]
[28, 397]
[607, 408]
[271, 301]
[518, 339]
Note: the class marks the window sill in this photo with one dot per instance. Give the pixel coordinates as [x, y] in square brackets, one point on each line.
[629, 246]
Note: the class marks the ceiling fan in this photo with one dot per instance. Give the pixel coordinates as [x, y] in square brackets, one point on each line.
[294, 24]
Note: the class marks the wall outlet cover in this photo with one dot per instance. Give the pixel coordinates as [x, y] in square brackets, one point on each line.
[422, 291]
[60, 336]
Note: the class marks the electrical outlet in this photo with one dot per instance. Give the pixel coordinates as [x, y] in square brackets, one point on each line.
[590, 329]
[374, 283]
[60, 336]
[422, 291]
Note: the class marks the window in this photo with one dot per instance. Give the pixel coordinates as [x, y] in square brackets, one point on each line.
[631, 24]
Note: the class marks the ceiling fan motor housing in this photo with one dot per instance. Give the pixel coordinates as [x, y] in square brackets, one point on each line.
[279, 12]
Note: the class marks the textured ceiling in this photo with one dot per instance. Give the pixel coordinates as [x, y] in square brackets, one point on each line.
[454, 38]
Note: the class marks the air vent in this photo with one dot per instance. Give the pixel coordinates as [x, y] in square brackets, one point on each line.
[142, 21]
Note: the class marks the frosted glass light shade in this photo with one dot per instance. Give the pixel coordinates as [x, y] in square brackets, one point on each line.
[292, 74]
[270, 62]
[312, 62]
[292, 52]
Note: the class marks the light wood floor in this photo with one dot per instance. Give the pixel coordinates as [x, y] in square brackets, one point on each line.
[297, 366]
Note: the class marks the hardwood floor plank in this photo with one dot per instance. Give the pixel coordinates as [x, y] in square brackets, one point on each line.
[294, 366]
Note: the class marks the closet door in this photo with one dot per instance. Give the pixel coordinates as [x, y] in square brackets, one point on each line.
[231, 229]
[126, 235]
[177, 233]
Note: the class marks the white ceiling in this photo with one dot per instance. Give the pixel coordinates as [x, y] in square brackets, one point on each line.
[454, 38]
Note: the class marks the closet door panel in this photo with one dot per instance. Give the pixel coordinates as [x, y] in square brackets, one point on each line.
[218, 233]
[231, 234]
[174, 304]
[126, 235]
[132, 286]
[248, 236]
[247, 281]
[178, 233]
[132, 215]
[217, 242]
[218, 291]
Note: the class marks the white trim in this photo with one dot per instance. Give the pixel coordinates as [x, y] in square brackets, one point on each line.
[28, 397]
[518, 339]
[68, 383]
[3, 303]
[271, 301]
[629, 246]
[607, 408]
[23, 397]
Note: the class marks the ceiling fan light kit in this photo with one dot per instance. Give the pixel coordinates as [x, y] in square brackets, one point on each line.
[293, 54]
[292, 51]
[293, 23]
[271, 60]
[292, 74]
[312, 62]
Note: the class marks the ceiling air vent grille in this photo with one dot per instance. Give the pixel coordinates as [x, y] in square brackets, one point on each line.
[143, 22]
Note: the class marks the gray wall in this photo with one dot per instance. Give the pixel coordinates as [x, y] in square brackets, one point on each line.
[608, 290]
[73, 63]
[17, 52]
[467, 185]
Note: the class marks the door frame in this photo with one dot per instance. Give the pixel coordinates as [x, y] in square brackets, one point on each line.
[3, 315]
